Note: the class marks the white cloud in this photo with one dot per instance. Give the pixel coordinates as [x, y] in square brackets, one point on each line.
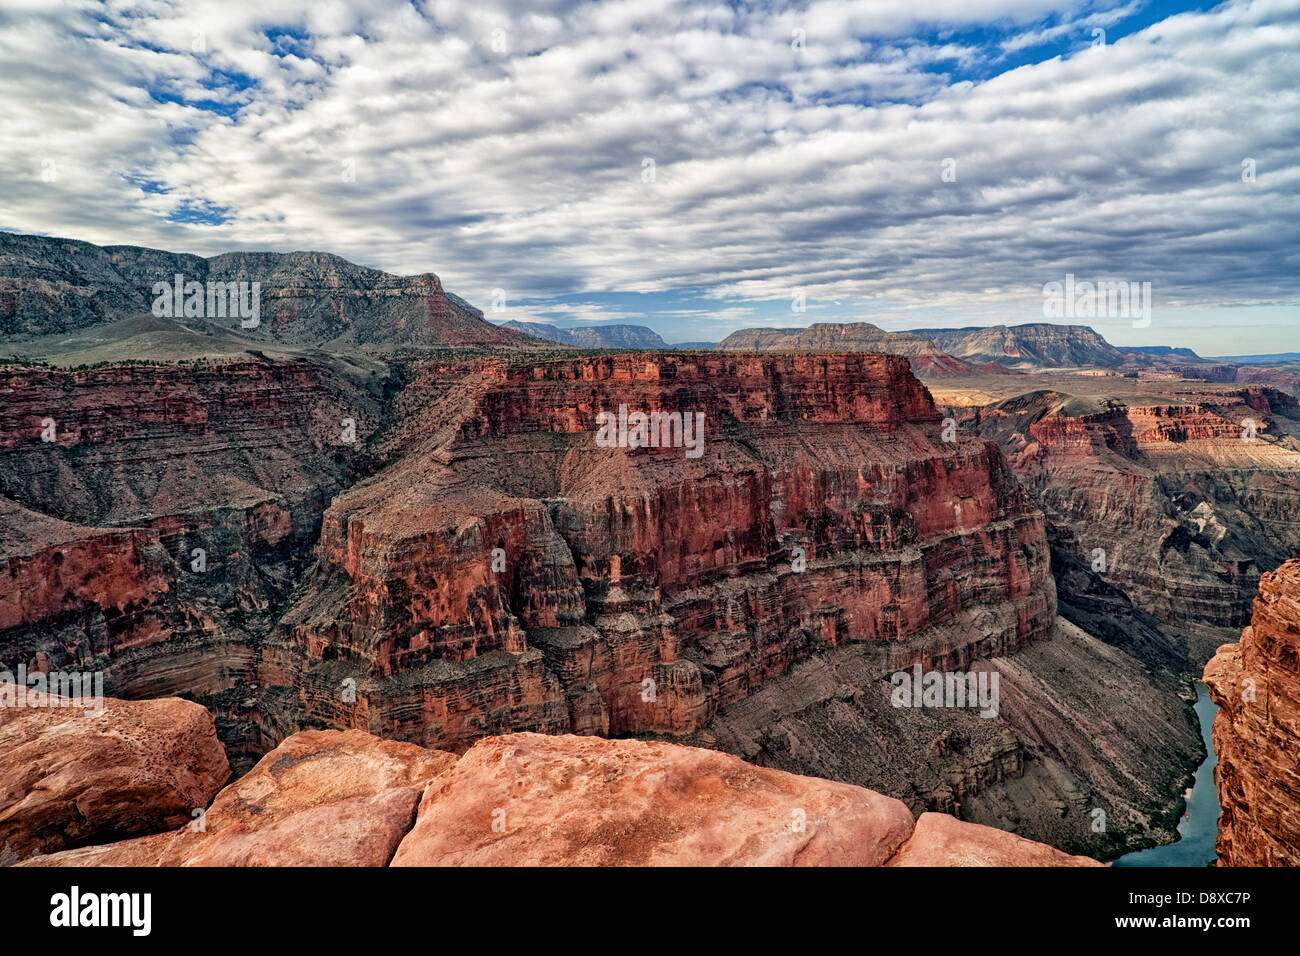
[774, 168]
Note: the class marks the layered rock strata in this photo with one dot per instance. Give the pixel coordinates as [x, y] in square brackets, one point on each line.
[1170, 509]
[508, 572]
[157, 517]
[484, 566]
[1256, 684]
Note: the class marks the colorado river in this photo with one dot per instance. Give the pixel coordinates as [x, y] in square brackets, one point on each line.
[1200, 824]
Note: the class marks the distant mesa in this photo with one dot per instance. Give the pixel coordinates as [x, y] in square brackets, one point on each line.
[1167, 351]
[943, 353]
[1036, 345]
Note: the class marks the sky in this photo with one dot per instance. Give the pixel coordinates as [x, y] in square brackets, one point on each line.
[694, 167]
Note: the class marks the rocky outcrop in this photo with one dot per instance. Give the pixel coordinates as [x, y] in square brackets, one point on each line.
[76, 770]
[533, 800]
[329, 798]
[1256, 684]
[941, 840]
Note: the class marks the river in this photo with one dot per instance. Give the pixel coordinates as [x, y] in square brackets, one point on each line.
[1200, 824]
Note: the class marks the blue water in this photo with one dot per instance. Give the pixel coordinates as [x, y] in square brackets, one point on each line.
[1200, 824]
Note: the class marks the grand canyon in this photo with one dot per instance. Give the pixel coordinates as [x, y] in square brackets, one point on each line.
[756, 439]
[375, 539]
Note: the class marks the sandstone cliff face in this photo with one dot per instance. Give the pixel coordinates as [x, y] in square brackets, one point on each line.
[639, 590]
[169, 514]
[1256, 684]
[1285, 378]
[112, 581]
[330, 798]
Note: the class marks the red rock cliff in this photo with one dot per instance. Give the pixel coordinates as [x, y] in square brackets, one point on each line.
[639, 589]
[1256, 684]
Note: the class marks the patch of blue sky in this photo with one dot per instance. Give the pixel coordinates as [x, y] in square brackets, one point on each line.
[200, 212]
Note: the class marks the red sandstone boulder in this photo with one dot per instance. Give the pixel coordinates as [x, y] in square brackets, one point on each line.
[321, 798]
[331, 798]
[70, 776]
[530, 800]
[941, 840]
[362, 831]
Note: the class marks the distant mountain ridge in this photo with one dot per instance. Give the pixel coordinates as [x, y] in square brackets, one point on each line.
[53, 287]
[1268, 358]
[927, 358]
[58, 286]
[593, 336]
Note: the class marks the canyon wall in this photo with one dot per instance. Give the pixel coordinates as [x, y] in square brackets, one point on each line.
[1168, 510]
[1256, 684]
[636, 590]
[157, 517]
[640, 590]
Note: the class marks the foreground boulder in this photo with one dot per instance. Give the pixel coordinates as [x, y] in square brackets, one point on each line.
[345, 798]
[73, 774]
[941, 840]
[534, 800]
[322, 798]
[1256, 684]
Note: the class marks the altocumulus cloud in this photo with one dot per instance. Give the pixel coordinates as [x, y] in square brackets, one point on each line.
[505, 145]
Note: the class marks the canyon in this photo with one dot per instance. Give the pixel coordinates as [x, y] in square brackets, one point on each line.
[379, 514]
[437, 551]
[1164, 501]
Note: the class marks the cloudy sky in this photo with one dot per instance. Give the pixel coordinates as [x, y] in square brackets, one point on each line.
[690, 166]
